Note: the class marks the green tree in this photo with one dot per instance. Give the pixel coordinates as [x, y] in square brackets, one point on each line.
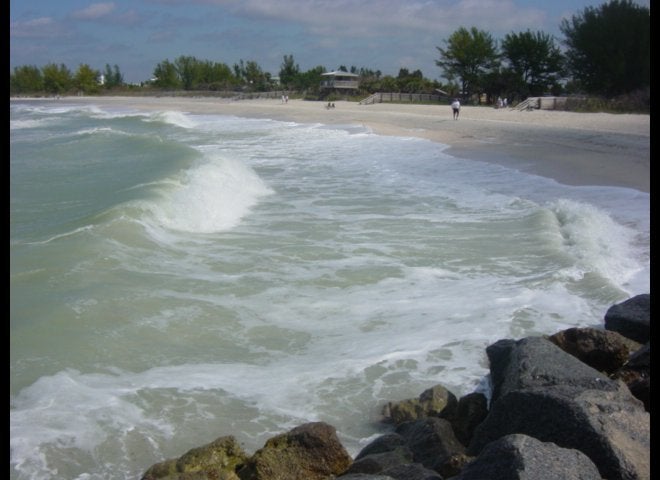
[253, 76]
[113, 77]
[413, 82]
[86, 79]
[388, 84]
[119, 77]
[535, 59]
[26, 79]
[370, 80]
[289, 71]
[310, 80]
[469, 55]
[505, 83]
[217, 76]
[187, 69]
[369, 74]
[166, 76]
[609, 47]
[57, 78]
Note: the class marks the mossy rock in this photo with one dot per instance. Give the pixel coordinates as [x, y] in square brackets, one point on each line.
[311, 451]
[217, 460]
[436, 401]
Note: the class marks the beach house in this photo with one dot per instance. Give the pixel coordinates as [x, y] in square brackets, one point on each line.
[344, 82]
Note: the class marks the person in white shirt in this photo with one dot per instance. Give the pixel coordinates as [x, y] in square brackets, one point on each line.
[456, 108]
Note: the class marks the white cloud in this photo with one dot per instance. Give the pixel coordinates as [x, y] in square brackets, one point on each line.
[94, 11]
[41, 27]
[378, 17]
[39, 22]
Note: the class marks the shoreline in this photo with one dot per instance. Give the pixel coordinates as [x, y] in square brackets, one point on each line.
[596, 149]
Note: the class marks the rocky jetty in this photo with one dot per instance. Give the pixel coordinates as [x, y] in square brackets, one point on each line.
[574, 405]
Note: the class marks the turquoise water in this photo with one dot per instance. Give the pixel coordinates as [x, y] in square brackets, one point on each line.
[177, 277]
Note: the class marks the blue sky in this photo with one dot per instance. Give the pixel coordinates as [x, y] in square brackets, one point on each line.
[383, 35]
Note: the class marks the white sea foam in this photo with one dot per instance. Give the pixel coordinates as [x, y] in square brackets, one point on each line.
[596, 242]
[62, 235]
[179, 119]
[29, 123]
[73, 411]
[211, 197]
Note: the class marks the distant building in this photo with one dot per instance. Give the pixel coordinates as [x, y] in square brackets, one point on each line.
[339, 80]
[101, 79]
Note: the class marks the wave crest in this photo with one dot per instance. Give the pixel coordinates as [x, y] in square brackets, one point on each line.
[211, 198]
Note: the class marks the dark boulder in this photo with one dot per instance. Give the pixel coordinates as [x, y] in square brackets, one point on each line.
[537, 362]
[431, 440]
[365, 476]
[384, 443]
[471, 411]
[379, 462]
[543, 392]
[636, 373]
[412, 471]
[453, 465]
[631, 318]
[520, 457]
[612, 432]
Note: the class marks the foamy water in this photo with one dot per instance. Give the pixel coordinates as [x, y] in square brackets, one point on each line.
[177, 277]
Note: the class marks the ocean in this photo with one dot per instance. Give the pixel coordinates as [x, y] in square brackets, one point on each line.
[175, 278]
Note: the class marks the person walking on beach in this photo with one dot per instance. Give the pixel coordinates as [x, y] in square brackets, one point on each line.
[456, 108]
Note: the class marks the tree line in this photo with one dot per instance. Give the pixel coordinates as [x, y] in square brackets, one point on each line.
[607, 53]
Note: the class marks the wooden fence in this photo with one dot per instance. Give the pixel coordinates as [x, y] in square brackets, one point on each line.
[542, 103]
[381, 97]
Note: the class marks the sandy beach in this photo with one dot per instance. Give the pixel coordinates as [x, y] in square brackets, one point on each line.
[572, 148]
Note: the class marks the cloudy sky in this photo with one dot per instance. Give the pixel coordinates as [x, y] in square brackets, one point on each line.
[383, 35]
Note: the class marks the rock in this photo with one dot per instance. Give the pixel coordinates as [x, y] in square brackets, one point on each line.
[641, 389]
[436, 401]
[543, 392]
[636, 373]
[453, 465]
[472, 410]
[604, 350]
[631, 318]
[217, 460]
[364, 476]
[640, 359]
[310, 451]
[537, 362]
[431, 440]
[520, 457]
[464, 415]
[379, 462]
[412, 471]
[384, 443]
